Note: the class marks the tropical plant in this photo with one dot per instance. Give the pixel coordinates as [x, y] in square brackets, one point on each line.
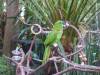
[1, 5]
[49, 11]
[77, 12]
[5, 67]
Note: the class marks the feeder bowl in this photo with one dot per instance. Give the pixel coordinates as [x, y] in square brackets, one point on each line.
[16, 52]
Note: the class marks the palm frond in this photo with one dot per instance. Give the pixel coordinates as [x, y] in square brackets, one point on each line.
[1, 6]
[49, 11]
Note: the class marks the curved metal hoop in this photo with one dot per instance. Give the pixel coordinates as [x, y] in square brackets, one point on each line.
[32, 29]
[79, 46]
[80, 39]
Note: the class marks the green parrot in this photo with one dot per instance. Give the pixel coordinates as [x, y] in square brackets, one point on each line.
[53, 37]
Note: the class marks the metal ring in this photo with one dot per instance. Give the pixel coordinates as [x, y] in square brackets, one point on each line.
[32, 27]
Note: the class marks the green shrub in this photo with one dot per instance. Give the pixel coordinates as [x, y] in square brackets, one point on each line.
[5, 67]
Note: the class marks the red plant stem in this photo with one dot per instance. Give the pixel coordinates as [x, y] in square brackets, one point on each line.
[56, 67]
[29, 54]
[19, 65]
[28, 62]
[22, 70]
[23, 56]
[31, 44]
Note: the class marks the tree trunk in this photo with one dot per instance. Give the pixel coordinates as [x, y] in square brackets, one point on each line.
[10, 29]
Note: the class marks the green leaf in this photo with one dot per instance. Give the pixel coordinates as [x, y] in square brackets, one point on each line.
[23, 31]
[88, 11]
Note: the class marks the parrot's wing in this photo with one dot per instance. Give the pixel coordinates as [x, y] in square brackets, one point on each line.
[50, 39]
[59, 35]
[46, 54]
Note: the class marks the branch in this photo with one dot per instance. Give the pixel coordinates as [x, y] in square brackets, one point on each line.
[78, 67]
[41, 66]
[64, 71]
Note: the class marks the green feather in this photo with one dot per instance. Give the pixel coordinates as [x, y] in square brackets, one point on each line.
[58, 26]
[55, 34]
[50, 38]
[59, 35]
[58, 29]
[53, 37]
[46, 54]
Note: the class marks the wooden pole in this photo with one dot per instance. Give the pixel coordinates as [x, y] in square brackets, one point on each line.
[10, 30]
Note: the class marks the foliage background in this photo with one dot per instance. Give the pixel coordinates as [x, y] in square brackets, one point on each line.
[80, 13]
